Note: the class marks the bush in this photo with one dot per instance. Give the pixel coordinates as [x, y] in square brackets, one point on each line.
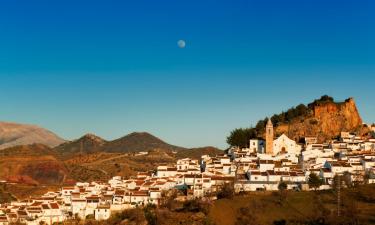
[226, 191]
[150, 214]
[196, 206]
[249, 215]
[313, 122]
[132, 215]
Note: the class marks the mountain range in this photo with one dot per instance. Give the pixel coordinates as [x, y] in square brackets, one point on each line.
[13, 134]
[34, 155]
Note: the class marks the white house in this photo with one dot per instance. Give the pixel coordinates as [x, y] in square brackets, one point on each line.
[102, 212]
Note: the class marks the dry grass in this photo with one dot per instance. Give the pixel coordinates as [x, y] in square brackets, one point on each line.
[299, 206]
[23, 191]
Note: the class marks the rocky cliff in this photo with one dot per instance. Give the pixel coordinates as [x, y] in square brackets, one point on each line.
[326, 120]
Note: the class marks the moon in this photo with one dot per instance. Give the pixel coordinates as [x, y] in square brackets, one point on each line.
[181, 43]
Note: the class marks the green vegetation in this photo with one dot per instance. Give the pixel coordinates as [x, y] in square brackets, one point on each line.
[241, 136]
[323, 100]
[314, 181]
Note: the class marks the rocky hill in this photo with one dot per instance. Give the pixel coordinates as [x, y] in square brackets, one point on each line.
[87, 144]
[326, 120]
[13, 134]
[323, 118]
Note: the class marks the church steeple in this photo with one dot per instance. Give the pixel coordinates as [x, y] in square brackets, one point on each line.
[269, 137]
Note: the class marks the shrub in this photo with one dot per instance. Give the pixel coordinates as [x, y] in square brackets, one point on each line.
[196, 205]
[314, 181]
[226, 191]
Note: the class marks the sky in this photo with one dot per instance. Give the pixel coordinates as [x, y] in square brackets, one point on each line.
[114, 67]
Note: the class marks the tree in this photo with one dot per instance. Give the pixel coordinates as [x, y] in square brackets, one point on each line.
[347, 179]
[301, 110]
[168, 199]
[314, 181]
[282, 191]
[282, 186]
[323, 99]
[150, 214]
[240, 137]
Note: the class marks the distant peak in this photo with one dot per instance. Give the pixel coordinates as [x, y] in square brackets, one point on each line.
[92, 137]
[140, 133]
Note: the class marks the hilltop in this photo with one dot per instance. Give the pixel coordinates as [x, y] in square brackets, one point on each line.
[88, 143]
[131, 143]
[139, 141]
[324, 118]
[13, 134]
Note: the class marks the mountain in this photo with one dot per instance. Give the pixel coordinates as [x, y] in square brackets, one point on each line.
[90, 158]
[87, 144]
[13, 134]
[138, 141]
[31, 164]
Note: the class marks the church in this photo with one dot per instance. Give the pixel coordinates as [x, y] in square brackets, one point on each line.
[280, 146]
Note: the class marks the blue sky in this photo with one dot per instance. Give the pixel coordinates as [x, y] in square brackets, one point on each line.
[113, 67]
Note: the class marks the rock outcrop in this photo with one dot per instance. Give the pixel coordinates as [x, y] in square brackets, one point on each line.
[326, 120]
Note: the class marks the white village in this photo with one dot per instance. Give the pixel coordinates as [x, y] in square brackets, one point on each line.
[260, 167]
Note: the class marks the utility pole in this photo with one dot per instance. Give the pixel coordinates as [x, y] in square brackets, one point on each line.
[338, 195]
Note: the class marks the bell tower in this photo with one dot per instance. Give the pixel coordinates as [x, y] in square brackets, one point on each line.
[269, 137]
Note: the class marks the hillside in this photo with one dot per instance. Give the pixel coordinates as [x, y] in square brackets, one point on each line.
[91, 158]
[196, 153]
[138, 141]
[326, 121]
[31, 164]
[13, 134]
[132, 143]
[87, 144]
[357, 207]
[323, 118]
